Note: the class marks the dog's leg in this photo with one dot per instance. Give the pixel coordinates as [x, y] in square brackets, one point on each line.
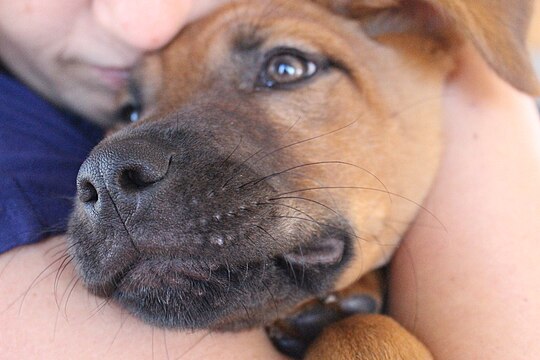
[294, 334]
[376, 337]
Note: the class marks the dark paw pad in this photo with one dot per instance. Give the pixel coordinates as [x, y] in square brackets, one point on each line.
[286, 341]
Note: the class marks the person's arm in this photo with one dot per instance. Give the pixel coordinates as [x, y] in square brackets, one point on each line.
[45, 316]
[472, 291]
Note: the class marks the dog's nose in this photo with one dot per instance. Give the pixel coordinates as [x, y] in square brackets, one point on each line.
[123, 174]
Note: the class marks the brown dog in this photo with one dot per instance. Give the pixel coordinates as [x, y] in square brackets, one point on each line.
[284, 150]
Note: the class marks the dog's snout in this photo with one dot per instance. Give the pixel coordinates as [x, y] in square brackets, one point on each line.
[122, 172]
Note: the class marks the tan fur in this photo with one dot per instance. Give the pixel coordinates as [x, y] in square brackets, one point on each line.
[373, 337]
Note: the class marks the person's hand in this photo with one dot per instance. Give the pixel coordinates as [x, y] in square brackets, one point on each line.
[472, 289]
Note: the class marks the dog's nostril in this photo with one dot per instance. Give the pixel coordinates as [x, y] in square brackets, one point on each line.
[88, 193]
[137, 179]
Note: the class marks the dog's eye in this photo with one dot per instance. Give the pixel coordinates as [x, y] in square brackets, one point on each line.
[132, 109]
[286, 67]
[130, 112]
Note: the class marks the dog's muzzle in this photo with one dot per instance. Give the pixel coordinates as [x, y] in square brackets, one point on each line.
[182, 232]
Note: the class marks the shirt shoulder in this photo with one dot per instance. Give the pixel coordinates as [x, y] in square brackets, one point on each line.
[41, 149]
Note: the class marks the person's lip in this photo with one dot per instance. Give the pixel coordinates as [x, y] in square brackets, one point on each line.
[113, 77]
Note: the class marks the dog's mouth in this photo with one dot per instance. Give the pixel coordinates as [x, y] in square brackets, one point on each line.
[175, 292]
[153, 272]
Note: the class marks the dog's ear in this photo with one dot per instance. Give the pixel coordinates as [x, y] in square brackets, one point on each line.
[497, 28]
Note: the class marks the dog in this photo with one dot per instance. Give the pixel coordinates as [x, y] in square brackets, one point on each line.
[282, 151]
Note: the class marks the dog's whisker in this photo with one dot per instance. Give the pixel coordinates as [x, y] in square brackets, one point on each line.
[99, 308]
[40, 277]
[231, 153]
[228, 276]
[303, 141]
[271, 152]
[311, 218]
[152, 342]
[299, 211]
[248, 315]
[236, 170]
[65, 263]
[61, 245]
[71, 286]
[303, 266]
[115, 336]
[61, 252]
[260, 254]
[412, 106]
[275, 240]
[209, 273]
[308, 200]
[328, 194]
[193, 346]
[67, 260]
[266, 232]
[273, 299]
[240, 165]
[247, 271]
[291, 268]
[317, 163]
[349, 232]
[165, 344]
[364, 188]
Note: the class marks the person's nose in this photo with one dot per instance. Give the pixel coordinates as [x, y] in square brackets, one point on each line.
[142, 24]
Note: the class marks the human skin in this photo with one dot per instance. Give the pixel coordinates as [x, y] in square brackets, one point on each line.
[471, 290]
[45, 317]
[79, 53]
[450, 295]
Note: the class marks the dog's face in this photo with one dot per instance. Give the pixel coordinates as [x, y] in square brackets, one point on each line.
[284, 154]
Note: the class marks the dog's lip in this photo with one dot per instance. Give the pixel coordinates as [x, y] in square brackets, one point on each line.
[194, 270]
[170, 271]
[114, 77]
[159, 271]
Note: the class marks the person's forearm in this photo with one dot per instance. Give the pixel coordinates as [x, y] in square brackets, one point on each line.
[45, 316]
[472, 291]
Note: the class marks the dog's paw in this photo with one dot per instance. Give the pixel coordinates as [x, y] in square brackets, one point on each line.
[293, 335]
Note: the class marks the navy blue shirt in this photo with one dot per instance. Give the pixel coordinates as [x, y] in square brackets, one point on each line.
[41, 149]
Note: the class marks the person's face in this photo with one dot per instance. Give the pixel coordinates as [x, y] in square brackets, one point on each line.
[79, 53]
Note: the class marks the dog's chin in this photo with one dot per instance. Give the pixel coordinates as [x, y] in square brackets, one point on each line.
[171, 292]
